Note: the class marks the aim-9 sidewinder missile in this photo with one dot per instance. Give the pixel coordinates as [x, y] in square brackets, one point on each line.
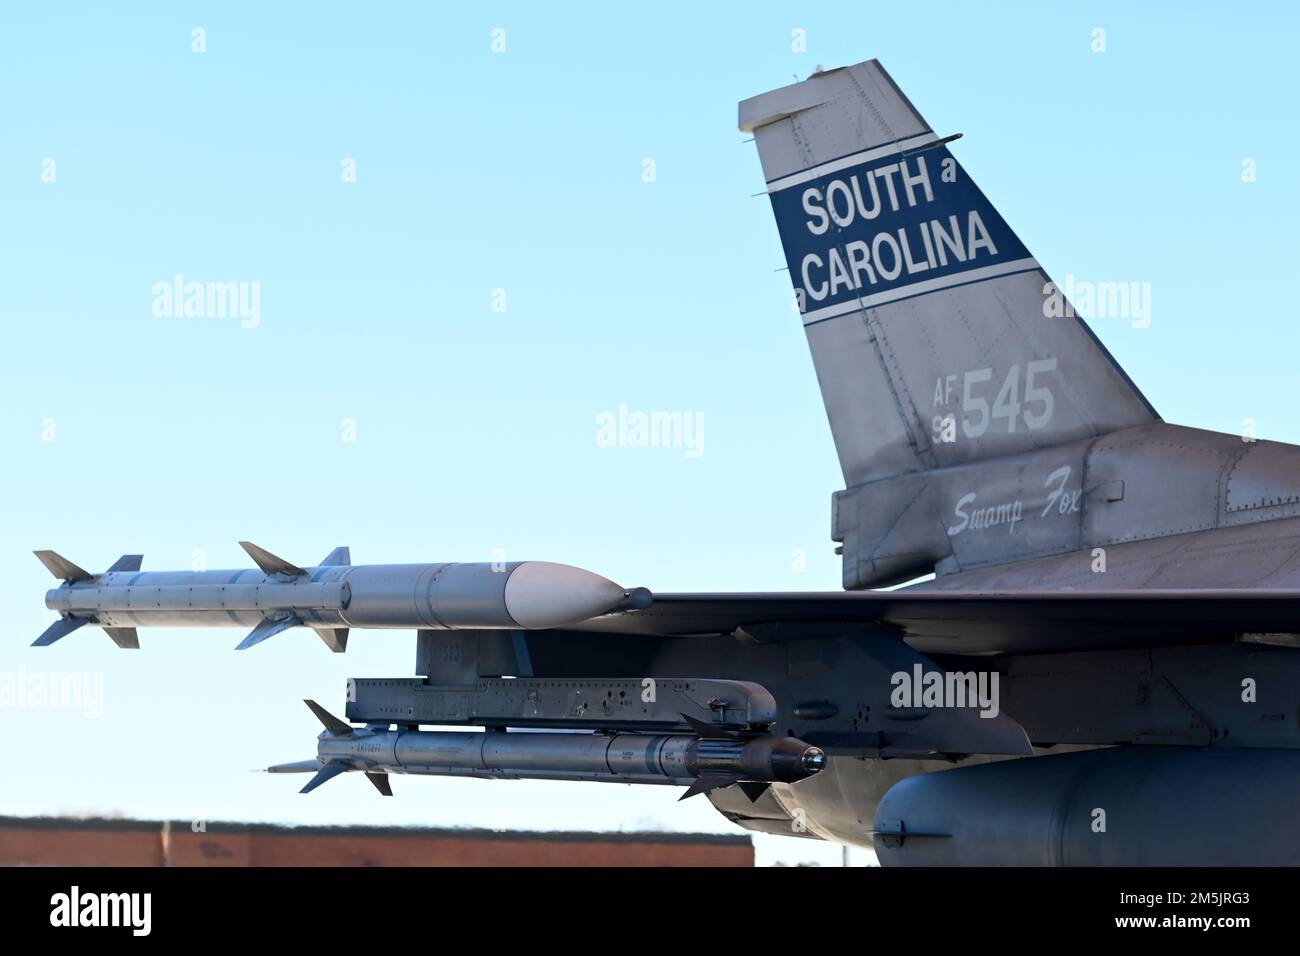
[703, 761]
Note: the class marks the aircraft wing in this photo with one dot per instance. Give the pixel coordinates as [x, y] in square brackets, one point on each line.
[965, 622]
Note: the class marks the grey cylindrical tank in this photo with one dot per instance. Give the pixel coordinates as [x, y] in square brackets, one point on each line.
[1122, 806]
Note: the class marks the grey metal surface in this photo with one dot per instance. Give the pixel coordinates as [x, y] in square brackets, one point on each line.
[1224, 696]
[955, 620]
[648, 703]
[1138, 806]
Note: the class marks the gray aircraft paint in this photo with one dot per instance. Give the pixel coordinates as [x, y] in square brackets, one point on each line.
[969, 339]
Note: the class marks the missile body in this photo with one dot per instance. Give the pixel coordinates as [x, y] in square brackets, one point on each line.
[330, 597]
[620, 758]
[700, 763]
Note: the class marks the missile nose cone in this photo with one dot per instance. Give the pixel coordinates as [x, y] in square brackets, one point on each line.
[541, 594]
[814, 760]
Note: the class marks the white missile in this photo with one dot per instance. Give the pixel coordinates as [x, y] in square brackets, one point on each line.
[331, 597]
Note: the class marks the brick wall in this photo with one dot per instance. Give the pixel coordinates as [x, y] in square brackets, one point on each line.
[49, 841]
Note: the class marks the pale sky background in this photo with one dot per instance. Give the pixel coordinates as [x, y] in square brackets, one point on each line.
[475, 430]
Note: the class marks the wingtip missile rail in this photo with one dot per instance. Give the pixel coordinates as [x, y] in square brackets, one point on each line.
[331, 597]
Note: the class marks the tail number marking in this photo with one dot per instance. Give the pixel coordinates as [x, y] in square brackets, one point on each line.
[1033, 405]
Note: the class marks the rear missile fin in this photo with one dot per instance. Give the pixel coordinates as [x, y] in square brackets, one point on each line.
[127, 562]
[59, 629]
[270, 563]
[707, 784]
[332, 723]
[338, 558]
[381, 782]
[297, 766]
[127, 638]
[61, 567]
[269, 627]
[326, 773]
[335, 638]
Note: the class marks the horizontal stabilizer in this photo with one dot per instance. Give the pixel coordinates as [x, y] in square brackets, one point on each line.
[338, 558]
[326, 773]
[127, 638]
[127, 562]
[269, 627]
[335, 638]
[332, 723]
[59, 629]
[380, 780]
[61, 567]
[269, 563]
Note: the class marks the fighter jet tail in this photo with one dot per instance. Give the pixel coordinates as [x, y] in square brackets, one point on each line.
[938, 339]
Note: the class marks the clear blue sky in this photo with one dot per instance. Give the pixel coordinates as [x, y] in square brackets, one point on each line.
[475, 429]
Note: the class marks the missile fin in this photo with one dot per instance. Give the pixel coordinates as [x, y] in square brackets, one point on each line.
[706, 784]
[324, 774]
[338, 558]
[59, 629]
[380, 780]
[124, 637]
[297, 766]
[127, 562]
[335, 638]
[61, 567]
[269, 563]
[269, 627]
[703, 728]
[332, 723]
